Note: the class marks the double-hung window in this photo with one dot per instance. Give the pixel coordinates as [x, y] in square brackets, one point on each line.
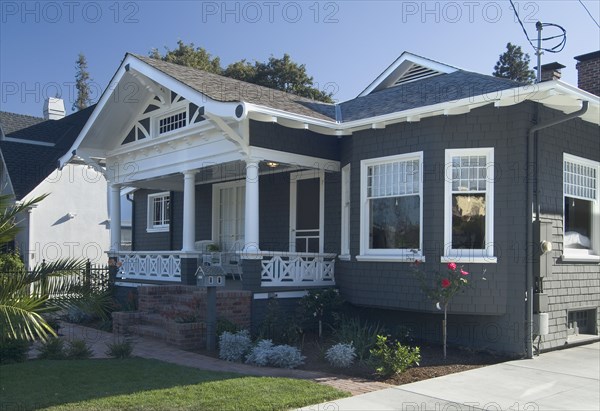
[469, 205]
[391, 208]
[345, 228]
[159, 211]
[581, 213]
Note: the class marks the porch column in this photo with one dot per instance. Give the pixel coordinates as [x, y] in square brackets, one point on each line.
[189, 210]
[115, 217]
[251, 212]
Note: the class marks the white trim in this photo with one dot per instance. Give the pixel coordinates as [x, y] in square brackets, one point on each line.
[391, 259]
[345, 257]
[345, 211]
[300, 160]
[388, 254]
[583, 255]
[25, 141]
[150, 227]
[469, 255]
[280, 294]
[294, 178]
[467, 259]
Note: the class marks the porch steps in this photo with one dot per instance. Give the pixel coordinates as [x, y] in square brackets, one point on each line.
[167, 313]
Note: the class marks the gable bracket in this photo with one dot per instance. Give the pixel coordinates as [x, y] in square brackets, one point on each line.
[229, 132]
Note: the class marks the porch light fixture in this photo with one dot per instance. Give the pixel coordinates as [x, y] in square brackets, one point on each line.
[272, 164]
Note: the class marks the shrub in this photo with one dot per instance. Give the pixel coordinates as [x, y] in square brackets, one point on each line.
[78, 350]
[392, 358]
[53, 349]
[260, 353]
[121, 349]
[11, 262]
[341, 355]
[363, 336]
[281, 329]
[224, 324]
[321, 307]
[12, 351]
[76, 315]
[285, 356]
[233, 347]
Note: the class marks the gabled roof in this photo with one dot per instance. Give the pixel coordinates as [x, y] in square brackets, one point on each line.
[407, 68]
[428, 91]
[11, 122]
[29, 164]
[225, 89]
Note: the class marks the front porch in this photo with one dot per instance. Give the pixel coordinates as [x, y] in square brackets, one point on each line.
[283, 245]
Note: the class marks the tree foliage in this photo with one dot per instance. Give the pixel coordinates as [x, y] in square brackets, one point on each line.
[26, 295]
[82, 84]
[277, 73]
[513, 64]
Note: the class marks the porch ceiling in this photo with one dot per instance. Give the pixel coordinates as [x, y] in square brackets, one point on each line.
[233, 170]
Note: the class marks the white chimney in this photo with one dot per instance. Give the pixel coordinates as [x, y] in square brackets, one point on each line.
[54, 108]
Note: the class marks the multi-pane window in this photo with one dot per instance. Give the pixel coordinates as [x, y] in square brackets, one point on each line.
[469, 203]
[345, 229]
[580, 192]
[391, 205]
[172, 122]
[159, 211]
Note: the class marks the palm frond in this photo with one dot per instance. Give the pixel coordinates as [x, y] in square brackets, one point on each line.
[8, 214]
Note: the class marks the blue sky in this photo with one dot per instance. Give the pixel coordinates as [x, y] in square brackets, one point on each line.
[344, 44]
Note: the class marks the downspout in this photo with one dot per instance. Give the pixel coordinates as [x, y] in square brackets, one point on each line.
[533, 206]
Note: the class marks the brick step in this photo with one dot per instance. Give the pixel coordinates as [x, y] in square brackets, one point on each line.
[153, 319]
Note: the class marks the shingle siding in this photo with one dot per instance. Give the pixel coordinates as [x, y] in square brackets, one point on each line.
[392, 285]
[570, 286]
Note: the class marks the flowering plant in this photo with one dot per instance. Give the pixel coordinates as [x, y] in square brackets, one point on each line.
[443, 288]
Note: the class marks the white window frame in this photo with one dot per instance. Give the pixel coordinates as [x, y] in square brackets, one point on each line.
[345, 221]
[151, 227]
[182, 108]
[485, 255]
[583, 255]
[387, 255]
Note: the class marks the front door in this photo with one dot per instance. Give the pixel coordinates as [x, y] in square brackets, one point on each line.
[229, 201]
[306, 212]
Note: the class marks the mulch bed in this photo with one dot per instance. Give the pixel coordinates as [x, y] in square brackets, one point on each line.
[432, 364]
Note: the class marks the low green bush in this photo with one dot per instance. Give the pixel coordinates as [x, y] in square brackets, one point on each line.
[53, 349]
[12, 351]
[121, 349]
[362, 336]
[78, 350]
[391, 357]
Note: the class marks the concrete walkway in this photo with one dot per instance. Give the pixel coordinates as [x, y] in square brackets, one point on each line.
[560, 380]
[150, 348]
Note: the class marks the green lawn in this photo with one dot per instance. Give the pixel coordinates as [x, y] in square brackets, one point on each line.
[137, 383]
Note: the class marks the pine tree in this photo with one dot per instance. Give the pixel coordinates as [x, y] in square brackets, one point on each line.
[82, 83]
[514, 64]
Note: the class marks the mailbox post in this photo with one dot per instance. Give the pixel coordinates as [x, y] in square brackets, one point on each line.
[211, 277]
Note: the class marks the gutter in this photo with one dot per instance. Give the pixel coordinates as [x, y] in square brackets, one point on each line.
[533, 206]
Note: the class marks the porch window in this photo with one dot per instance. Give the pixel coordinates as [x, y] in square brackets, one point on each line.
[581, 219]
[159, 211]
[391, 208]
[469, 208]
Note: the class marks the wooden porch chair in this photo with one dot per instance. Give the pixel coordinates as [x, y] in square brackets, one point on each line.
[231, 261]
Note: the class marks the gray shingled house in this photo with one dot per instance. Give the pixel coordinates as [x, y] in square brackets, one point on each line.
[429, 162]
[73, 220]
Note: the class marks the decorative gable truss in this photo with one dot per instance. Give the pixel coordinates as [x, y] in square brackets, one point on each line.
[162, 117]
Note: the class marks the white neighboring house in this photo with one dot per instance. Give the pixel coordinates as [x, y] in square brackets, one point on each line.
[73, 220]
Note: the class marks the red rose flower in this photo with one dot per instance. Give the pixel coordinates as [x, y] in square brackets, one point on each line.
[445, 283]
[452, 266]
[463, 272]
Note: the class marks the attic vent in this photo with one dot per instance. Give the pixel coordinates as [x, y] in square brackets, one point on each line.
[416, 72]
[172, 122]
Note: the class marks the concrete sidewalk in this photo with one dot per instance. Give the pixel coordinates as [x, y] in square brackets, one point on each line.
[560, 380]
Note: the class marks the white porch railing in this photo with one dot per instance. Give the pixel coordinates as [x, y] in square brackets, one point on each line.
[283, 269]
[150, 265]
